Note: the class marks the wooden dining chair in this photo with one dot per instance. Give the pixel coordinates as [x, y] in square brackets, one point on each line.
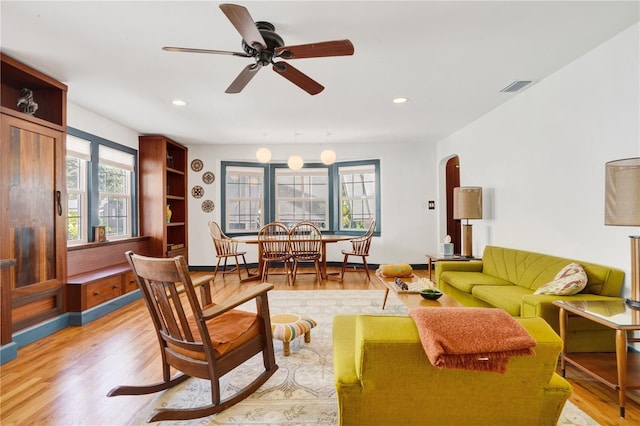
[273, 239]
[306, 245]
[205, 342]
[225, 248]
[359, 247]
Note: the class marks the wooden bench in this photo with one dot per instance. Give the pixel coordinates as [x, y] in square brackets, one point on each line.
[93, 288]
[99, 278]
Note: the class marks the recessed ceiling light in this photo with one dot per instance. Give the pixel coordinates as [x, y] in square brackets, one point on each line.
[400, 100]
[178, 102]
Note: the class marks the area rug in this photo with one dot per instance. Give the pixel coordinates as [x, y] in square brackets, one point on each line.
[301, 392]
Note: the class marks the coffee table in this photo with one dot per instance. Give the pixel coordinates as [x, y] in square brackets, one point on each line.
[413, 299]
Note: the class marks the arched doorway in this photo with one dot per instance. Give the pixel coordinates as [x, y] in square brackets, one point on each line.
[452, 180]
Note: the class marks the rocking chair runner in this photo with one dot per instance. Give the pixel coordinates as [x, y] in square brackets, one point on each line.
[205, 342]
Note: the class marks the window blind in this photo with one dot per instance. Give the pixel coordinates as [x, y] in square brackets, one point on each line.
[79, 148]
[114, 158]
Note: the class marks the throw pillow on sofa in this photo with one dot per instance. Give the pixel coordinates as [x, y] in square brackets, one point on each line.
[570, 280]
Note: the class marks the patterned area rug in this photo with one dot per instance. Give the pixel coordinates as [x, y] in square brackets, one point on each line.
[301, 392]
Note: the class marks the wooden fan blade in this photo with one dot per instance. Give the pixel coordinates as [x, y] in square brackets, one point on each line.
[316, 50]
[298, 78]
[243, 78]
[215, 52]
[244, 24]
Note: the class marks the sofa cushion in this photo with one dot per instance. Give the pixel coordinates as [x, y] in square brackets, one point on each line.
[508, 298]
[531, 270]
[523, 268]
[570, 280]
[465, 281]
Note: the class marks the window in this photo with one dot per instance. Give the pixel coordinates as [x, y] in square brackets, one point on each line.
[340, 198]
[78, 154]
[244, 189]
[114, 205]
[357, 196]
[100, 187]
[302, 195]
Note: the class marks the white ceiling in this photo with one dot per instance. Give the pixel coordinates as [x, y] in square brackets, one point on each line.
[449, 58]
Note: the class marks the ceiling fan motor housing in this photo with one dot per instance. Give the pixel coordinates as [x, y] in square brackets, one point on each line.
[264, 57]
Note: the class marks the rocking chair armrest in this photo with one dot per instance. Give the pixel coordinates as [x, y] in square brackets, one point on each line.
[236, 300]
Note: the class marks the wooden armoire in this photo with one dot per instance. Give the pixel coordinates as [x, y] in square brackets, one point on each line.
[32, 197]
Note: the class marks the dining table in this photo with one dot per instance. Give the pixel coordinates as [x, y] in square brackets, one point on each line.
[324, 240]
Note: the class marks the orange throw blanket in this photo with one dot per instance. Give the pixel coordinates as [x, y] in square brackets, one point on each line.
[471, 338]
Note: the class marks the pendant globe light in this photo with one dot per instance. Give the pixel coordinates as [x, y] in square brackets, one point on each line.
[295, 162]
[263, 155]
[328, 157]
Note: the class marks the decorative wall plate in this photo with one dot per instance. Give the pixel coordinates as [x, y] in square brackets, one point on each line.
[197, 191]
[197, 165]
[208, 177]
[208, 206]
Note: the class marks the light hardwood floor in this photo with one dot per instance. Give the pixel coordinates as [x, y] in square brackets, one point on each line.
[63, 379]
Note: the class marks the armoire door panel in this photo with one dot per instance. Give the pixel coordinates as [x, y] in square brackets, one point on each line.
[33, 231]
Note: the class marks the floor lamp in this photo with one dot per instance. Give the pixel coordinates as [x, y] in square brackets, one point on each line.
[622, 208]
[467, 204]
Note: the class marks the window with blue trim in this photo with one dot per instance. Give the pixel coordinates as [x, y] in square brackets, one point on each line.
[101, 188]
[340, 198]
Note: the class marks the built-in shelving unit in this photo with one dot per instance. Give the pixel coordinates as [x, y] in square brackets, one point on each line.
[163, 182]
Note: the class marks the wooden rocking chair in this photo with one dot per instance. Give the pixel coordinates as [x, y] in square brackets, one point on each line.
[205, 342]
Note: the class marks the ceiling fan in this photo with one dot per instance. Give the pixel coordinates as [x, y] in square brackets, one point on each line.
[260, 42]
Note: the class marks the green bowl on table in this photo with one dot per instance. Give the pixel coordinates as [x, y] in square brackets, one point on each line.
[430, 294]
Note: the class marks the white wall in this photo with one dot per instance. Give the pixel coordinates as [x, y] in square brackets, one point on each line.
[540, 158]
[408, 227]
[87, 121]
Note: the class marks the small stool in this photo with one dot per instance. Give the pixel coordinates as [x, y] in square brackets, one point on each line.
[287, 327]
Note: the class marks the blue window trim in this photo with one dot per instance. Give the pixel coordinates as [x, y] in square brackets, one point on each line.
[336, 189]
[334, 192]
[92, 179]
[330, 176]
[223, 191]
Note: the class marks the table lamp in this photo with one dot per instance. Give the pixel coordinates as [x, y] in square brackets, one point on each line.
[622, 208]
[467, 204]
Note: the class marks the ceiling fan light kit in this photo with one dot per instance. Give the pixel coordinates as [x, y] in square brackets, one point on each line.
[264, 45]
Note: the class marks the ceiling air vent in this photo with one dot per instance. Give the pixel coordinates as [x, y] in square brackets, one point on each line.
[516, 85]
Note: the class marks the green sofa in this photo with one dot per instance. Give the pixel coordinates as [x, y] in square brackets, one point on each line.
[507, 278]
[383, 377]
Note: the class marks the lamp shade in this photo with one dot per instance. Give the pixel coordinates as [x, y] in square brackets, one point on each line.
[622, 192]
[467, 202]
[263, 155]
[295, 162]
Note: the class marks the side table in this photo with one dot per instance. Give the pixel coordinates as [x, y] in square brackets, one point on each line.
[432, 258]
[617, 315]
